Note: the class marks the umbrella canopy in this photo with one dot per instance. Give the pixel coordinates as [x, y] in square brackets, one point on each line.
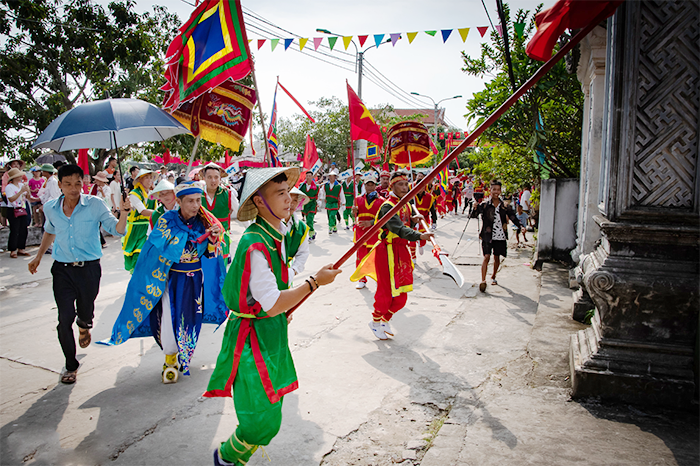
[50, 157]
[108, 124]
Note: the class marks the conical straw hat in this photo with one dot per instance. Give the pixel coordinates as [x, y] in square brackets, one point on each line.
[254, 180]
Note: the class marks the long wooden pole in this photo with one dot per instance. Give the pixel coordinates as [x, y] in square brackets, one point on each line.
[262, 119]
[544, 69]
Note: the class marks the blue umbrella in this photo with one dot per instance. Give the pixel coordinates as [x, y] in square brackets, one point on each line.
[109, 124]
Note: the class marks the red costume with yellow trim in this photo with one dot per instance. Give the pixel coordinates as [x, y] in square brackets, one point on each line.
[389, 262]
[366, 210]
[424, 201]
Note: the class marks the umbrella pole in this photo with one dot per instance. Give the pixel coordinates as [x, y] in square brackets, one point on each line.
[119, 165]
[192, 157]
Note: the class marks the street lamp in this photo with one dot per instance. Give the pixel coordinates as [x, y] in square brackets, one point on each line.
[359, 57]
[436, 111]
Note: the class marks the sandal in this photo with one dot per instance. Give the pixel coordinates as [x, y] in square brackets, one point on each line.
[69, 377]
[494, 282]
[22, 252]
[13, 255]
[85, 338]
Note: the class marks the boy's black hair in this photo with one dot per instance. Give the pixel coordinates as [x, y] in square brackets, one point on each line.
[70, 170]
[281, 178]
[110, 159]
[132, 168]
[58, 164]
[496, 183]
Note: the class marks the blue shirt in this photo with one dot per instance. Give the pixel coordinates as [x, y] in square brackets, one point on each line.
[78, 236]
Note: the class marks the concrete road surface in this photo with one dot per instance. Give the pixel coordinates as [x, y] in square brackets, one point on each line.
[469, 378]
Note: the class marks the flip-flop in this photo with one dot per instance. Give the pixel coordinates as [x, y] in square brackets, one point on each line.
[85, 338]
[69, 377]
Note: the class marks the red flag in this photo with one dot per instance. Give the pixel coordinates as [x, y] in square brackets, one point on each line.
[362, 125]
[83, 161]
[351, 158]
[311, 160]
[571, 14]
[386, 167]
[227, 159]
[441, 136]
[296, 102]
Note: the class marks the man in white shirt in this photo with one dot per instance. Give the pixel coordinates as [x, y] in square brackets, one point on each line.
[50, 190]
[525, 201]
[115, 192]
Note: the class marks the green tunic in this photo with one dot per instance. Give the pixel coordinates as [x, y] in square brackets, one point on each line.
[250, 333]
[136, 229]
[221, 208]
[293, 239]
[160, 210]
[332, 196]
[311, 206]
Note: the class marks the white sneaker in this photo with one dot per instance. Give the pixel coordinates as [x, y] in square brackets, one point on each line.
[420, 250]
[377, 330]
[386, 328]
[361, 285]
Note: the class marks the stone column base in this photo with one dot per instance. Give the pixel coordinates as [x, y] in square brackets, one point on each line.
[620, 371]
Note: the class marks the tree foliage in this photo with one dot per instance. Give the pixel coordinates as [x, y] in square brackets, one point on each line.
[544, 127]
[55, 55]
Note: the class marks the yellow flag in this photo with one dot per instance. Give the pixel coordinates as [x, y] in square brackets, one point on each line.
[464, 32]
[411, 36]
[302, 43]
[346, 41]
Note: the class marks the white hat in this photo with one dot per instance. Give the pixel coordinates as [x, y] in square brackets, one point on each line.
[254, 180]
[333, 172]
[370, 177]
[304, 198]
[163, 185]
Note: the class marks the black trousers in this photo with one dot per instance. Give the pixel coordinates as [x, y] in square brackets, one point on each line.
[75, 290]
[18, 231]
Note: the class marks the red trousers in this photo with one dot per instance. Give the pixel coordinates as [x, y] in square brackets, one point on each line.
[385, 305]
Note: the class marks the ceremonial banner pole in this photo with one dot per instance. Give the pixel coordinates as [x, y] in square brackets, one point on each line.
[193, 155]
[544, 69]
[262, 119]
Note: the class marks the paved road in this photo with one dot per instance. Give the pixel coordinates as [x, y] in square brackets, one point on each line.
[360, 401]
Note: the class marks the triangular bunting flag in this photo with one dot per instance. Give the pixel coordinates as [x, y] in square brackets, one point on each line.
[519, 28]
[287, 43]
[431, 33]
[332, 41]
[362, 40]
[411, 36]
[394, 38]
[346, 41]
[499, 28]
[260, 43]
[317, 42]
[378, 39]
[482, 30]
[273, 43]
[445, 34]
[302, 43]
[249, 41]
[464, 32]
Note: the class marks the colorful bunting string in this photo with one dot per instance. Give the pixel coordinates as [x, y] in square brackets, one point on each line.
[379, 38]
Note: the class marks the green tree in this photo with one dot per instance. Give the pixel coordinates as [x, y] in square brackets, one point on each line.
[331, 132]
[544, 127]
[55, 55]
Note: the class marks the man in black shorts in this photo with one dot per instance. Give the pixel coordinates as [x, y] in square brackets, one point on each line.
[494, 234]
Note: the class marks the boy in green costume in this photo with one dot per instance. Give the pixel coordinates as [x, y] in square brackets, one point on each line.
[297, 236]
[311, 189]
[349, 193]
[255, 365]
[332, 190]
[139, 219]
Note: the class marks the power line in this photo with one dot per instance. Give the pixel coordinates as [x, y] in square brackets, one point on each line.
[415, 102]
[369, 75]
[304, 52]
[266, 30]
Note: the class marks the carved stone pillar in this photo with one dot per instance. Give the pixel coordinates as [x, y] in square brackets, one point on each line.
[591, 73]
[643, 276]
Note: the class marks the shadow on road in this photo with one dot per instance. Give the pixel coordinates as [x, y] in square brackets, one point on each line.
[22, 439]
